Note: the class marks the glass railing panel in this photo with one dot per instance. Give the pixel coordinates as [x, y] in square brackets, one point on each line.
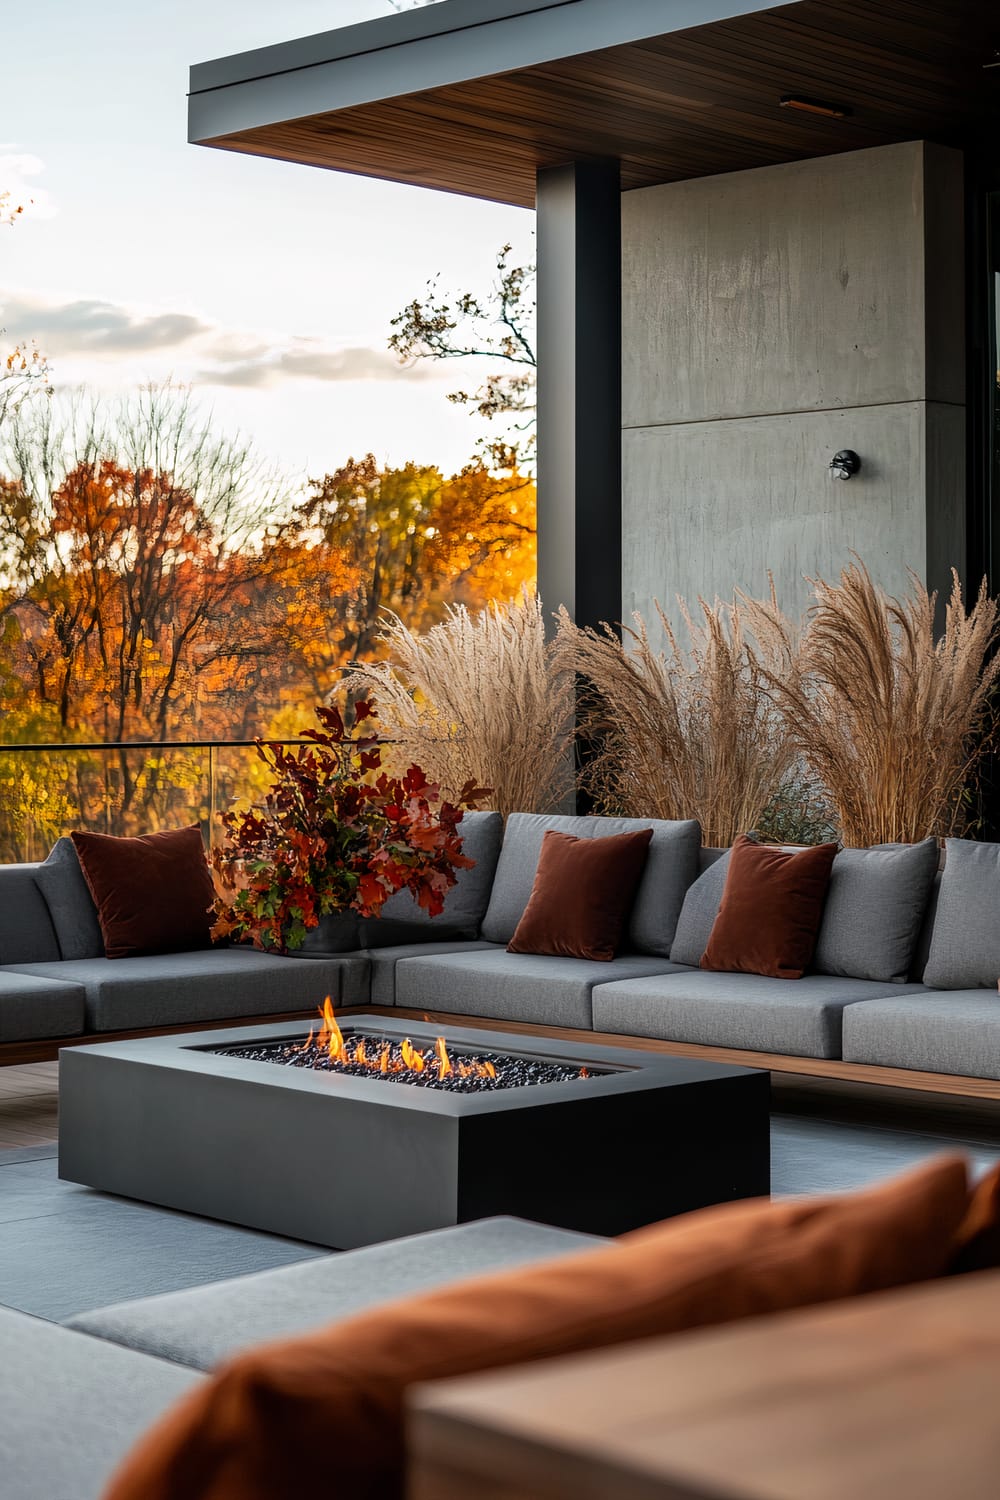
[46, 791]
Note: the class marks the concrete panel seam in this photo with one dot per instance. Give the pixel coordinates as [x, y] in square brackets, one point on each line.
[793, 411]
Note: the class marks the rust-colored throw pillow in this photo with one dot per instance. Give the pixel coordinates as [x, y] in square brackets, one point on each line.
[977, 1243]
[582, 895]
[772, 906]
[322, 1415]
[153, 893]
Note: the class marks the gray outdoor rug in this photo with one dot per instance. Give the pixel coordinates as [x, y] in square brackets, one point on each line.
[64, 1248]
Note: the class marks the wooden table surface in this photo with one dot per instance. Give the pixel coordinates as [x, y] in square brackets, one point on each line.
[892, 1397]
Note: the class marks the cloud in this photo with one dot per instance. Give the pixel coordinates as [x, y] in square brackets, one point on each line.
[92, 327]
[88, 328]
[235, 348]
[16, 167]
[306, 359]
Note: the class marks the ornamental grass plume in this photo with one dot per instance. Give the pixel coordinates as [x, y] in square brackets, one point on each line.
[684, 733]
[479, 697]
[892, 721]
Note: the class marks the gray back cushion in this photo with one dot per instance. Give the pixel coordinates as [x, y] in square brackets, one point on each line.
[522, 845]
[27, 935]
[71, 906]
[874, 909]
[700, 909]
[922, 951]
[403, 921]
[671, 865]
[965, 943]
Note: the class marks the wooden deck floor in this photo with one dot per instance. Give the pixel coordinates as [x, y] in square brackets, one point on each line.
[29, 1105]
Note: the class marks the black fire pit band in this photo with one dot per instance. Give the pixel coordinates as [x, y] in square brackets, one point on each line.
[192, 1123]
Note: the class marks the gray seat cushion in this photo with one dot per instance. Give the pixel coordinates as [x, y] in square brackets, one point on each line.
[382, 964]
[71, 1407]
[515, 986]
[965, 943]
[930, 1031]
[31, 1008]
[699, 911]
[175, 989]
[799, 1017]
[209, 1323]
[71, 906]
[875, 904]
[27, 935]
[671, 866]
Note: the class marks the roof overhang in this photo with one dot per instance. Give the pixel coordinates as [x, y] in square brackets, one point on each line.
[474, 96]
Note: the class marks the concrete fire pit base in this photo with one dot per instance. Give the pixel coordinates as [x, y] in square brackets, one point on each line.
[345, 1161]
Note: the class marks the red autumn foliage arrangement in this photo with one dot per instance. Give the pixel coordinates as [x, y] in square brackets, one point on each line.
[334, 836]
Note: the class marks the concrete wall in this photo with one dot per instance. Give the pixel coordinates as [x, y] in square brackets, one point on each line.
[769, 318]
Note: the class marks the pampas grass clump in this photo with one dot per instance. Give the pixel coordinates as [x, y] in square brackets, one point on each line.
[889, 719]
[480, 696]
[684, 733]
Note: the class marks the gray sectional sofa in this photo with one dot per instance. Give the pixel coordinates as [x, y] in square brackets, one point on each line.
[904, 976]
[73, 1399]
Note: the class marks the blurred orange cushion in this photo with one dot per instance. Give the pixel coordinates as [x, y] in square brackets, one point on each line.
[321, 1415]
[977, 1243]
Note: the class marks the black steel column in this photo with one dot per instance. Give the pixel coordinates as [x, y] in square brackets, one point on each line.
[579, 390]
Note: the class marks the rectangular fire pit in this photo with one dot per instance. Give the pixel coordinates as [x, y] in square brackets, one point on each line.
[345, 1157]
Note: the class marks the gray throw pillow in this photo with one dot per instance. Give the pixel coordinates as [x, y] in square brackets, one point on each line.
[71, 906]
[875, 905]
[698, 914]
[965, 944]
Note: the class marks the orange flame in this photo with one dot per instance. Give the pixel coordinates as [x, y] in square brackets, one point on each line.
[411, 1057]
[443, 1060]
[331, 1037]
[475, 1069]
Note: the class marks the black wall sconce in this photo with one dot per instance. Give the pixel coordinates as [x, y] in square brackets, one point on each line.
[845, 464]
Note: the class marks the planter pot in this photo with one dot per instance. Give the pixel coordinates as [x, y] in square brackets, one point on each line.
[339, 932]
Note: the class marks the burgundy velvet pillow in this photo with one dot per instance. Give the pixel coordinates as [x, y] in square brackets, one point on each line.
[771, 909]
[153, 893]
[582, 894]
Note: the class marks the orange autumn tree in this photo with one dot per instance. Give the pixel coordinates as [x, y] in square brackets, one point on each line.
[133, 584]
[157, 584]
[367, 541]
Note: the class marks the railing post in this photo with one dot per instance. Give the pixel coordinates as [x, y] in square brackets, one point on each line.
[211, 796]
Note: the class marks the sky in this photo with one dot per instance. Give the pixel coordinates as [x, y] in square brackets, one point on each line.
[266, 286]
